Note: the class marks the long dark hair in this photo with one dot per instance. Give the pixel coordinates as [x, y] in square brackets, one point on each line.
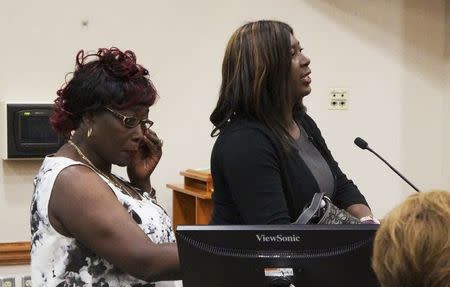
[108, 77]
[255, 74]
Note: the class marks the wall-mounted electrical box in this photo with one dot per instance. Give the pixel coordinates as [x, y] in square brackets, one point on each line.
[339, 99]
[27, 131]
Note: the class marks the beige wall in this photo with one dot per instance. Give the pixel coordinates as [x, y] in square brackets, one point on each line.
[392, 57]
[424, 84]
[446, 165]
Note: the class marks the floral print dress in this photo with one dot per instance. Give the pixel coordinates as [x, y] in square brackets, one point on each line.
[58, 260]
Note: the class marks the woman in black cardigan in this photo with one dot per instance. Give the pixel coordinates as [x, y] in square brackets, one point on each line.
[270, 157]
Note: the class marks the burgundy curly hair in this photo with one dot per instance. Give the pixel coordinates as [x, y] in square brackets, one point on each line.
[108, 77]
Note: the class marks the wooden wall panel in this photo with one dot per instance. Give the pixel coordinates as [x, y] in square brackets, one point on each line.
[15, 253]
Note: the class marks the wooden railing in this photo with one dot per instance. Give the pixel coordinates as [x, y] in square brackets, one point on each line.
[15, 253]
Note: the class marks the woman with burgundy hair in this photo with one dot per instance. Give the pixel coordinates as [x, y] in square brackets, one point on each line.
[90, 227]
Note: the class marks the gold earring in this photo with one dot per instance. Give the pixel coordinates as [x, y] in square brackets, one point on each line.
[89, 132]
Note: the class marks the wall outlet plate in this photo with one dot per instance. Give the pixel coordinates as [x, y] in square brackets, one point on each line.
[339, 99]
[7, 282]
[26, 281]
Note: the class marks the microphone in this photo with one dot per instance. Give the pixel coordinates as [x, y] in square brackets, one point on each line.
[362, 144]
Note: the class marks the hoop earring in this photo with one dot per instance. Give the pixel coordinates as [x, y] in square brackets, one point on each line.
[89, 132]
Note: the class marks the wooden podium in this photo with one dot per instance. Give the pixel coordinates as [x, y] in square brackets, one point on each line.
[192, 200]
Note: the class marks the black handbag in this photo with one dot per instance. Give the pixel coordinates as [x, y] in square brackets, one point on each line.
[322, 211]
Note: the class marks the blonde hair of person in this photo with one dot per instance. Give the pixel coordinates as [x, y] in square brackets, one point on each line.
[412, 245]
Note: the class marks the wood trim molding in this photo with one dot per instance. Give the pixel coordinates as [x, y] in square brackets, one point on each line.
[15, 253]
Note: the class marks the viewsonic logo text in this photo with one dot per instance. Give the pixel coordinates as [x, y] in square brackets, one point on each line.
[277, 238]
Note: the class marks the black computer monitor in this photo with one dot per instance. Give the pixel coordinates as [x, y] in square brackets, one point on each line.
[276, 255]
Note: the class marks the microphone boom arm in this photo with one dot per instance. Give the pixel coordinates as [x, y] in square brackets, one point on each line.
[407, 181]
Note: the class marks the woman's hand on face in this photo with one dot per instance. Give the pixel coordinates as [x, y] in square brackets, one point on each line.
[144, 162]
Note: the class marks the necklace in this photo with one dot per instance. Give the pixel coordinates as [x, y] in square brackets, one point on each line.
[110, 178]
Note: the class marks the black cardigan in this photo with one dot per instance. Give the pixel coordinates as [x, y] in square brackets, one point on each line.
[257, 182]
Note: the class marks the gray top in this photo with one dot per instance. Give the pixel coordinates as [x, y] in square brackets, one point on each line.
[315, 162]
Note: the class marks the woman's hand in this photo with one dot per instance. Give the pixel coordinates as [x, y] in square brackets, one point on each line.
[144, 162]
[362, 212]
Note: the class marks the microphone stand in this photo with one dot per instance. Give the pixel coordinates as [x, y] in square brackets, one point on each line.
[362, 144]
[404, 178]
